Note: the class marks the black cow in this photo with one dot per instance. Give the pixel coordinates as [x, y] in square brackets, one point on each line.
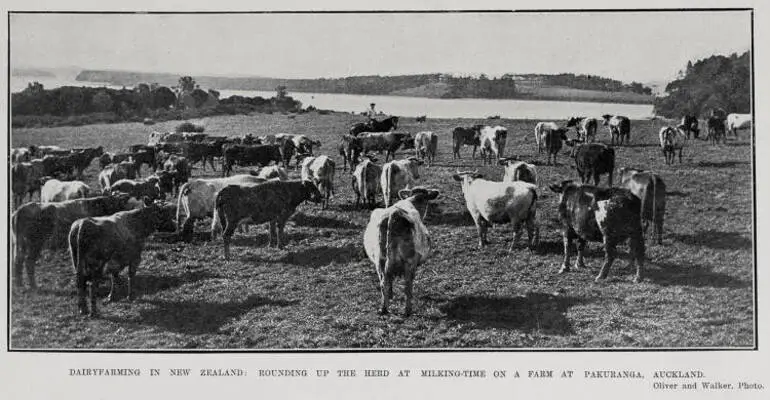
[349, 149]
[272, 201]
[690, 126]
[389, 142]
[553, 140]
[608, 215]
[463, 136]
[196, 151]
[619, 126]
[244, 155]
[716, 129]
[386, 125]
[593, 160]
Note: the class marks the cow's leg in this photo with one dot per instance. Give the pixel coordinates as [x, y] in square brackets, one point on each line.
[81, 282]
[113, 278]
[567, 238]
[228, 229]
[408, 284]
[636, 247]
[94, 285]
[188, 228]
[609, 256]
[131, 275]
[386, 286]
[609, 179]
[31, 261]
[281, 223]
[659, 227]
[481, 226]
[533, 233]
[581, 248]
[516, 232]
[680, 155]
[273, 235]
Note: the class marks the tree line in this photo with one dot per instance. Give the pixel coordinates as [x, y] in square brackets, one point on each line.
[714, 83]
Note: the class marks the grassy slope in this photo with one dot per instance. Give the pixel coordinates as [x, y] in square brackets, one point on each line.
[320, 291]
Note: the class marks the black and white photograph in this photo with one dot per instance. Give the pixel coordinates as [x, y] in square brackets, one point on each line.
[381, 181]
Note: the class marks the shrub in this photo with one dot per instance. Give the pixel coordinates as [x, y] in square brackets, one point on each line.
[188, 127]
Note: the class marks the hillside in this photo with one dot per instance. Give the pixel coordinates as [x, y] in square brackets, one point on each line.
[566, 87]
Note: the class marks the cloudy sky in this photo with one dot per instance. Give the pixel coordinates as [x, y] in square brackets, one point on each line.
[628, 46]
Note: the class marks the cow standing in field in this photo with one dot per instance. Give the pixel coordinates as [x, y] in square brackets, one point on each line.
[736, 122]
[716, 129]
[33, 224]
[608, 215]
[397, 175]
[585, 127]
[82, 159]
[271, 172]
[397, 242]
[179, 169]
[349, 149]
[541, 129]
[463, 136]
[426, 145]
[651, 191]
[22, 154]
[197, 200]
[320, 171]
[516, 170]
[619, 127]
[55, 190]
[26, 179]
[114, 158]
[386, 125]
[389, 142]
[365, 182]
[594, 160]
[115, 172]
[138, 189]
[247, 155]
[671, 141]
[492, 141]
[689, 125]
[500, 203]
[553, 140]
[272, 201]
[117, 239]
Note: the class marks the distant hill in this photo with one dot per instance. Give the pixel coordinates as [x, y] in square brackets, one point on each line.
[531, 86]
[32, 72]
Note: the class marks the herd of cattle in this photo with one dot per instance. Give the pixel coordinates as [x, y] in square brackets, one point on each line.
[105, 231]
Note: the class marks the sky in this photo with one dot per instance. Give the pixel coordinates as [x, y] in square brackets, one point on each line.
[629, 46]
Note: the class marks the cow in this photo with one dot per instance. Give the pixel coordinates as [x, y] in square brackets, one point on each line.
[492, 140]
[33, 224]
[320, 171]
[689, 125]
[386, 125]
[26, 179]
[58, 166]
[272, 201]
[196, 152]
[463, 136]
[516, 170]
[117, 239]
[164, 137]
[268, 139]
[426, 145]
[365, 182]
[54, 191]
[271, 172]
[179, 169]
[716, 129]
[115, 172]
[22, 154]
[540, 131]
[81, 159]
[43, 151]
[288, 149]
[736, 122]
[498, 203]
[397, 175]
[397, 242]
[421, 118]
[114, 158]
[608, 215]
[619, 127]
[585, 127]
[349, 149]
[303, 144]
[389, 142]
[651, 191]
[594, 160]
[553, 140]
[138, 189]
[672, 140]
[247, 155]
[196, 200]
[144, 157]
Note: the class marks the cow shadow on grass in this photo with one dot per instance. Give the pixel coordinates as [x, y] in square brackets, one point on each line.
[640, 145]
[148, 284]
[677, 193]
[451, 218]
[539, 312]
[324, 255]
[317, 221]
[721, 164]
[715, 240]
[670, 274]
[201, 317]
[593, 249]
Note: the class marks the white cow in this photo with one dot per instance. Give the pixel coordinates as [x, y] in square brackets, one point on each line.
[397, 242]
[426, 145]
[55, 191]
[499, 203]
[397, 175]
[197, 197]
[518, 171]
[672, 140]
[365, 184]
[738, 121]
[272, 171]
[492, 140]
[320, 171]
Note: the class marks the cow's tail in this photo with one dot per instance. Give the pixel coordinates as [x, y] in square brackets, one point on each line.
[388, 181]
[216, 221]
[361, 186]
[386, 252]
[654, 206]
[181, 205]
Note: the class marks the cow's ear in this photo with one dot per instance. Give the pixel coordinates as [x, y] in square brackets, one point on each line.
[404, 194]
[556, 187]
[147, 201]
[457, 177]
[432, 194]
[478, 176]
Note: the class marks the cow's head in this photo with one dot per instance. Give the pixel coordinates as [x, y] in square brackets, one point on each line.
[627, 173]
[419, 197]
[311, 192]
[414, 165]
[160, 214]
[466, 177]
[606, 118]
[561, 187]
[507, 160]
[395, 122]
[574, 121]
[501, 134]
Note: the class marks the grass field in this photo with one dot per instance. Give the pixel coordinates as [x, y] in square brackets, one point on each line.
[320, 291]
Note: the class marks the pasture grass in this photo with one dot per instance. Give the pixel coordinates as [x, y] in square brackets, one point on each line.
[320, 291]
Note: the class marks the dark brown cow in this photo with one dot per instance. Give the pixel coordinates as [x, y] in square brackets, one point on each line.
[34, 223]
[179, 169]
[553, 140]
[389, 142]
[349, 149]
[462, 136]
[651, 190]
[246, 155]
[608, 215]
[594, 160]
[272, 201]
[119, 239]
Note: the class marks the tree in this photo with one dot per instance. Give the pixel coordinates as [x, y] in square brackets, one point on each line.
[186, 84]
[102, 102]
[280, 91]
